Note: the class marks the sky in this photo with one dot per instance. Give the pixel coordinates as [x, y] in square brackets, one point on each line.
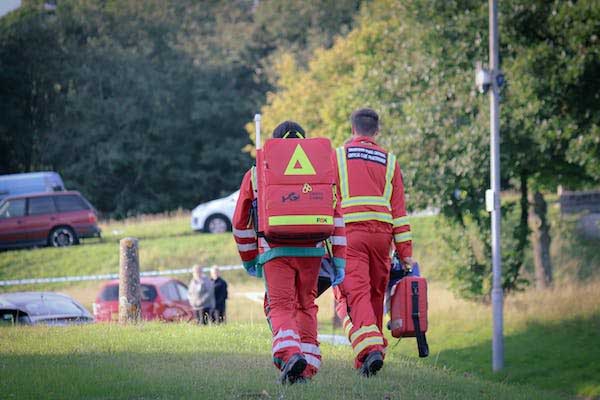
[7, 6]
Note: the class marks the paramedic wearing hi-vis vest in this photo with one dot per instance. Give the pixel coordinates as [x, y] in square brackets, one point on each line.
[290, 270]
[375, 216]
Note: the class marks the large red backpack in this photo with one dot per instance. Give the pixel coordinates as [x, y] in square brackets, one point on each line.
[296, 190]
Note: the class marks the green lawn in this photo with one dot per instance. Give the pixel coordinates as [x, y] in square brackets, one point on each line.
[160, 361]
[165, 243]
[551, 337]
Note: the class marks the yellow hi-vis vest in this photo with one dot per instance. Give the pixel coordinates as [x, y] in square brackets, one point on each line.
[380, 201]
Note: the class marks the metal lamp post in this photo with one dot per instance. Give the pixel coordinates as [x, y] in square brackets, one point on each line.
[490, 81]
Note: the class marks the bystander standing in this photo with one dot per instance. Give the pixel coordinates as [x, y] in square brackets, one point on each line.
[202, 295]
[220, 287]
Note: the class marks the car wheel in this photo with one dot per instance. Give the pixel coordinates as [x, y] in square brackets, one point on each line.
[62, 236]
[217, 223]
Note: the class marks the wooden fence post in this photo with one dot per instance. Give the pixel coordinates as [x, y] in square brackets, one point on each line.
[129, 281]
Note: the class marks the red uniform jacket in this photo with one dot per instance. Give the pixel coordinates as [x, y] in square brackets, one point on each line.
[373, 191]
[249, 245]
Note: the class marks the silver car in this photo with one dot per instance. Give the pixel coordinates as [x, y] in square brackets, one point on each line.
[48, 308]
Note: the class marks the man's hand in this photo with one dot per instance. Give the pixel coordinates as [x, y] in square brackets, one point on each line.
[250, 267]
[251, 271]
[408, 262]
[340, 271]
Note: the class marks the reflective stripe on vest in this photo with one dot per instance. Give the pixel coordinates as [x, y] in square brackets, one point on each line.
[389, 175]
[368, 216]
[343, 170]
[348, 201]
[254, 181]
[365, 201]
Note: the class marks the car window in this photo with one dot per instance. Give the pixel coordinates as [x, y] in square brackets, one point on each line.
[8, 317]
[148, 292]
[13, 208]
[169, 291]
[52, 306]
[70, 203]
[111, 293]
[41, 205]
[182, 290]
[12, 316]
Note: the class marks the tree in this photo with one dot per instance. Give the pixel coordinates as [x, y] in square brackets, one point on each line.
[27, 87]
[552, 57]
[413, 63]
[141, 105]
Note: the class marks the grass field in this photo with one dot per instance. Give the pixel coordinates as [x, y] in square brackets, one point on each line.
[551, 338]
[160, 361]
[164, 243]
[551, 343]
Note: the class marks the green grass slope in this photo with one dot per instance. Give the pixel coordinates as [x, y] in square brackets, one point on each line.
[179, 361]
[551, 337]
[165, 243]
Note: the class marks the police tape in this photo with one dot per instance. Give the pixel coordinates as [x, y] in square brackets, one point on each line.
[105, 277]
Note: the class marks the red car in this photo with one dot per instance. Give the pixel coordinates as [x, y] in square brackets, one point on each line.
[164, 299]
[55, 219]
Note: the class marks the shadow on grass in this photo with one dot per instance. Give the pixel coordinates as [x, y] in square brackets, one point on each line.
[209, 375]
[562, 356]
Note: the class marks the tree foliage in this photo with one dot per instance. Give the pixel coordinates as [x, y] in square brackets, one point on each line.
[413, 62]
[551, 55]
[141, 105]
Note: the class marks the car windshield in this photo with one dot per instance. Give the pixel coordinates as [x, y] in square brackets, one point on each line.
[52, 306]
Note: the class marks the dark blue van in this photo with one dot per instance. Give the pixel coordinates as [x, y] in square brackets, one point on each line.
[32, 182]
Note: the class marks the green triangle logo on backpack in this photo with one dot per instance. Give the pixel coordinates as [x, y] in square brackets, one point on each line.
[299, 164]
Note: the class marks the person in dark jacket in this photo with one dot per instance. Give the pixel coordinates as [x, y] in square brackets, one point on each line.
[220, 286]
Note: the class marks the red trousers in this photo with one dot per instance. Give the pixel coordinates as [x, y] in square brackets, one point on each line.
[362, 293]
[291, 310]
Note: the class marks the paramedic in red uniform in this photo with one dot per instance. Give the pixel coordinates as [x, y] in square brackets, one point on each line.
[290, 280]
[375, 217]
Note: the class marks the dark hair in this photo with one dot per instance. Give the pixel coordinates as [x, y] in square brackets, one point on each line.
[365, 121]
[288, 130]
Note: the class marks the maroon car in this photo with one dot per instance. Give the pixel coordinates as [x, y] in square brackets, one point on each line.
[164, 299]
[54, 219]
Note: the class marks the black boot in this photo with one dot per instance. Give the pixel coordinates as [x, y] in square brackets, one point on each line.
[373, 363]
[292, 371]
